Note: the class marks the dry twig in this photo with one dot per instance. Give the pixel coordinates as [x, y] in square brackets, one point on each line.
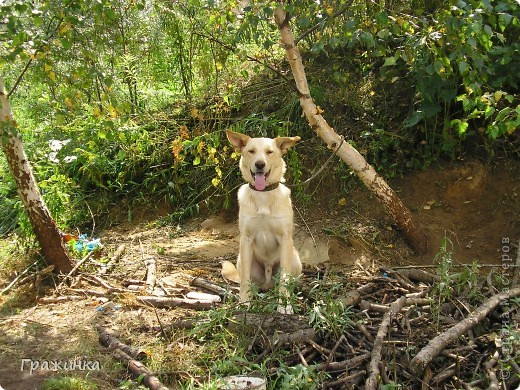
[435, 346]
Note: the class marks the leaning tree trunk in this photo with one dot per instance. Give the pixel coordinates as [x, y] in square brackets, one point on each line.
[45, 229]
[415, 237]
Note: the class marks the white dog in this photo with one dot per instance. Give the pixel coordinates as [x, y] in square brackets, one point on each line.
[265, 216]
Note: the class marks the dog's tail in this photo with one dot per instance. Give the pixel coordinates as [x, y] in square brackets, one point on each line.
[230, 272]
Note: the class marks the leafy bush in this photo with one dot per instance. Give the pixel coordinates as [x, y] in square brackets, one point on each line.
[146, 103]
[462, 60]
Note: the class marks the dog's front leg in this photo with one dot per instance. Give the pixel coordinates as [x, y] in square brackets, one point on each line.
[244, 268]
[286, 259]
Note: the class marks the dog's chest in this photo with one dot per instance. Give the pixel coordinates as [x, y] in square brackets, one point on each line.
[263, 213]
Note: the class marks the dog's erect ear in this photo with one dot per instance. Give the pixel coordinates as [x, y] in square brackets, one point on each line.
[238, 140]
[285, 143]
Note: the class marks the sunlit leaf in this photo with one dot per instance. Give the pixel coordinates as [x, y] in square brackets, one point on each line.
[390, 61]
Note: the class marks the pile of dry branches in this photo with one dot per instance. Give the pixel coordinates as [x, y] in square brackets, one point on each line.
[401, 331]
[398, 337]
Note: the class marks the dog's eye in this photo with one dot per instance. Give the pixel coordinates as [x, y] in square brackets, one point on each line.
[252, 151]
[269, 152]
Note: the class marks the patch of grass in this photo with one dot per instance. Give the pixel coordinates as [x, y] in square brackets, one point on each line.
[463, 283]
[328, 315]
[220, 352]
[269, 301]
[13, 257]
[68, 383]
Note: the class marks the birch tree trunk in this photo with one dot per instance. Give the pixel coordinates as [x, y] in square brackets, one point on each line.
[403, 218]
[44, 227]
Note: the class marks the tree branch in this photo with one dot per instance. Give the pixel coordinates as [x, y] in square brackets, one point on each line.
[435, 346]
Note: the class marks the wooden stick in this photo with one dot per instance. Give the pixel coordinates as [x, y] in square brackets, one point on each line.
[435, 346]
[302, 358]
[114, 259]
[73, 270]
[419, 275]
[62, 298]
[101, 282]
[150, 274]
[165, 302]
[336, 346]
[109, 339]
[350, 378]
[365, 331]
[297, 337]
[139, 370]
[88, 292]
[373, 370]
[369, 306]
[128, 354]
[443, 376]
[343, 365]
[400, 278]
[213, 287]
[494, 384]
[13, 282]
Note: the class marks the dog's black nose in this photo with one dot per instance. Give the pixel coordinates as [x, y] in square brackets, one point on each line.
[260, 165]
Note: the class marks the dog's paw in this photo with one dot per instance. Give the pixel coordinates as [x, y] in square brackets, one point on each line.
[287, 309]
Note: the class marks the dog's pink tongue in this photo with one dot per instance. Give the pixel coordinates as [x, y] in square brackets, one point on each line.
[260, 181]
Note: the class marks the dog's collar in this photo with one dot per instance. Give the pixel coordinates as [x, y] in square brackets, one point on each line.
[270, 187]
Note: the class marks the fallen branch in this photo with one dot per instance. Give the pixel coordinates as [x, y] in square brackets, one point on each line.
[127, 354]
[343, 365]
[139, 370]
[373, 181]
[73, 270]
[150, 274]
[113, 260]
[101, 282]
[491, 374]
[166, 302]
[62, 298]
[210, 286]
[108, 339]
[369, 306]
[401, 278]
[354, 378]
[373, 369]
[13, 282]
[443, 376]
[419, 275]
[87, 292]
[435, 346]
[297, 337]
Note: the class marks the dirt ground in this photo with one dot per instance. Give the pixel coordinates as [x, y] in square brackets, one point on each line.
[475, 206]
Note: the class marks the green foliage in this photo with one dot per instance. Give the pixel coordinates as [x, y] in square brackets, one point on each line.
[471, 59]
[328, 315]
[8, 203]
[225, 352]
[144, 91]
[462, 283]
[299, 377]
[460, 60]
[68, 383]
